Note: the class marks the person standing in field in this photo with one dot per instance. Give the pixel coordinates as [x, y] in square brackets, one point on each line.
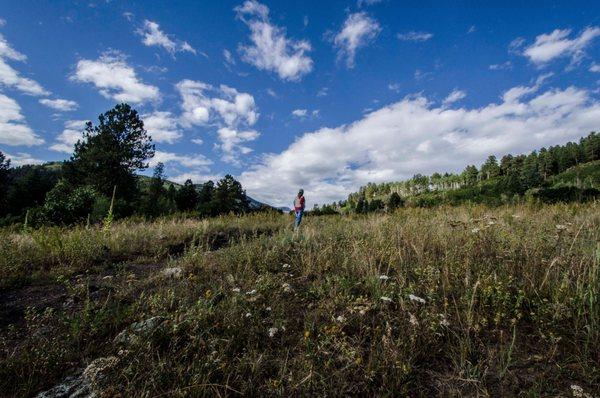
[299, 207]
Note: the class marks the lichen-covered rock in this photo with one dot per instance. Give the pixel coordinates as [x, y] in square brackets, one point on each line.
[97, 373]
[91, 383]
[71, 387]
[174, 272]
[138, 330]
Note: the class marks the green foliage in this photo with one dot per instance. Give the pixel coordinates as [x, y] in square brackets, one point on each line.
[66, 204]
[187, 196]
[572, 164]
[111, 152]
[229, 196]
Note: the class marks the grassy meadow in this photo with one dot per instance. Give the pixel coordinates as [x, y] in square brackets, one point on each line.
[451, 301]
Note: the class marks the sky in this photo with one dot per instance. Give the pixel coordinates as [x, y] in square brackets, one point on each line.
[321, 95]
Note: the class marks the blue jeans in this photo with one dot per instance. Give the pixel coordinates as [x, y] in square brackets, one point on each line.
[298, 218]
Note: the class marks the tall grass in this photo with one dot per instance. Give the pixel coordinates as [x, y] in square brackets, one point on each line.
[452, 301]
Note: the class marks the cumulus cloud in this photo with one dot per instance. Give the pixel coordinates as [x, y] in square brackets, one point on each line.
[557, 44]
[358, 31]
[299, 113]
[231, 111]
[9, 77]
[59, 104]
[13, 127]
[271, 50]
[455, 95]
[414, 36]
[192, 161]
[72, 133]
[162, 126]
[114, 79]
[595, 68]
[397, 141]
[153, 36]
[196, 177]
[22, 159]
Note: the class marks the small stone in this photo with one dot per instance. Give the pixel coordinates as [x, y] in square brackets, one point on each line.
[174, 272]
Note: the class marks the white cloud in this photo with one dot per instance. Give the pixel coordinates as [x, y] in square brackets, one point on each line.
[595, 68]
[72, 133]
[358, 31]
[22, 159]
[153, 36]
[232, 142]
[9, 77]
[224, 107]
[60, 104]
[395, 142]
[394, 87]
[472, 29]
[196, 177]
[415, 36]
[229, 60]
[197, 141]
[323, 92]
[115, 79]
[455, 95]
[128, 15]
[502, 66]
[162, 127]
[192, 161]
[557, 44]
[271, 50]
[13, 127]
[361, 3]
[227, 105]
[299, 113]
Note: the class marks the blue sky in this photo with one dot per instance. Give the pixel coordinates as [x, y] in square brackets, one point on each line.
[321, 95]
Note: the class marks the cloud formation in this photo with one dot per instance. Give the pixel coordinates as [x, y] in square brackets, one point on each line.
[557, 44]
[162, 127]
[72, 133]
[358, 31]
[271, 50]
[414, 36]
[455, 95]
[21, 159]
[398, 140]
[59, 104]
[13, 127]
[9, 77]
[231, 111]
[114, 79]
[153, 36]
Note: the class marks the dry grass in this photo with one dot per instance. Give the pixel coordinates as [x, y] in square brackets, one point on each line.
[448, 302]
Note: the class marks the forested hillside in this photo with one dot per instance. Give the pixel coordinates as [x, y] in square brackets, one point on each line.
[569, 172]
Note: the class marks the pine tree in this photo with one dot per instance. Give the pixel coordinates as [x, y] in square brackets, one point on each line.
[111, 152]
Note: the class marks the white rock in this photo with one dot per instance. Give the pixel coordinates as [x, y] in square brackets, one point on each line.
[174, 272]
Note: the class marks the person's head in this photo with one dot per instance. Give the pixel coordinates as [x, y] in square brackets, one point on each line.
[300, 192]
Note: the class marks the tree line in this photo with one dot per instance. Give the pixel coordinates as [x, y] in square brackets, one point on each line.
[569, 172]
[101, 177]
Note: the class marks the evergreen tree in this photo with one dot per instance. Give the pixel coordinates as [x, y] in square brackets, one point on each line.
[229, 196]
[205, 199]
[470, 175]
[187, 196]
[111, 152]
[4, 167]
[394, 201]
[490, 168]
